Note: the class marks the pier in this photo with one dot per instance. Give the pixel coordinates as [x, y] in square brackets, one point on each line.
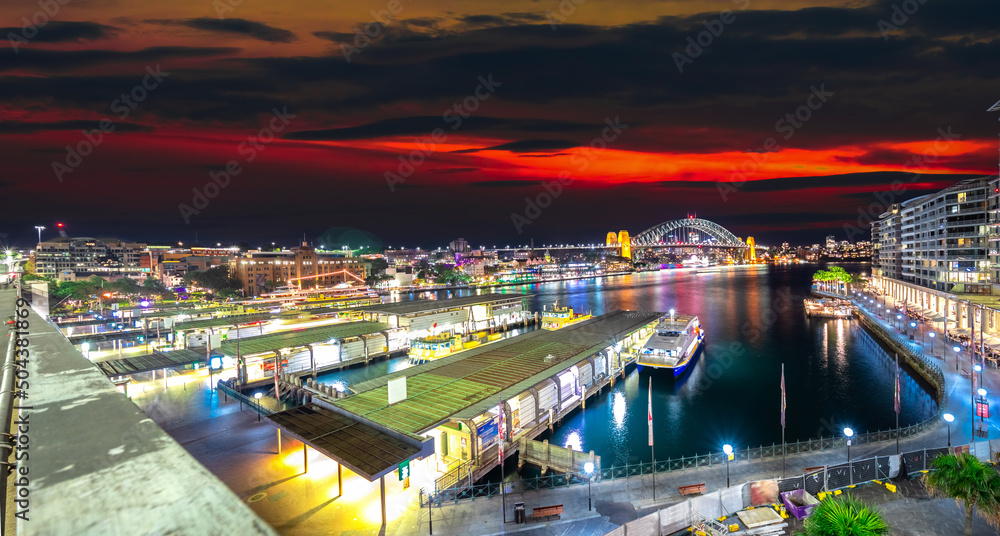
[548, 456]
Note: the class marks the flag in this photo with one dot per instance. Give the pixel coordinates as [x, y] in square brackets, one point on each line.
[896, 398]
[651, 411]
[783, 406]
[500, 429]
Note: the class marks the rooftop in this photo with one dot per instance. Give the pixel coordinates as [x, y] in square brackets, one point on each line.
[273, 342]
[464, 385]
[424, 306]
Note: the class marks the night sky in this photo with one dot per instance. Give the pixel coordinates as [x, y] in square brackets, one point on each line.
[639, 111]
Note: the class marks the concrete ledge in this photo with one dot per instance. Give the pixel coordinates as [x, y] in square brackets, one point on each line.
[96, 464]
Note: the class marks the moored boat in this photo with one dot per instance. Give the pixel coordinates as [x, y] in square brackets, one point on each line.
[560, 317]
[674, 344]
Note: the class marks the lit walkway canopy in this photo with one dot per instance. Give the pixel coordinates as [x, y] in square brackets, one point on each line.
[273, 342]
[153, 361]
[369, 450]
[234, 320]
[414, 307]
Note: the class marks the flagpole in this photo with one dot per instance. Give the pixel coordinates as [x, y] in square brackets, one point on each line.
[782, 420]
[897, 404]
[503, 493]
[652, 449]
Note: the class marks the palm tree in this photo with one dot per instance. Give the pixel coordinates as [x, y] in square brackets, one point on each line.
[844, 516]
[971, 483]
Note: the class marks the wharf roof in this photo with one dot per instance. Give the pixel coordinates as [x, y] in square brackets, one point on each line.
[153, 361]
[415, 307]
[363, 448]
[234, 320]
[273, 342]
[464, 385]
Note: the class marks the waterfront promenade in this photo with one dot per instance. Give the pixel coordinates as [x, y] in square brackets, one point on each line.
[243, 453]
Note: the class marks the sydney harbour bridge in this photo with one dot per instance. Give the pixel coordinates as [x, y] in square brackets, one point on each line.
[685, 236]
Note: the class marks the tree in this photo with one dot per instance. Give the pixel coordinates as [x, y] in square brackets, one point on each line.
[153, 286]
[126, 286]
[214, 279]
[971, 483]
[844, 516]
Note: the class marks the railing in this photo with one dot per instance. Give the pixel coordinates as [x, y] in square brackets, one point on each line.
[828, 478]
[252, 402]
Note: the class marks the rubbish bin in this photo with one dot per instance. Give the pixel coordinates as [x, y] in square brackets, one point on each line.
[519, 512]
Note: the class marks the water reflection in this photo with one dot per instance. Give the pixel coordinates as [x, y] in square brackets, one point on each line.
[618, 408]
[573, 441]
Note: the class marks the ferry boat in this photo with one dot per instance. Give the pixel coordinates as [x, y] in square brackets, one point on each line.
[560, 317]
[674, 344]
[427, 349]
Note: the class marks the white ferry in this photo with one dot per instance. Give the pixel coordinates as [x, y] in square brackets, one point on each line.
[674, 344]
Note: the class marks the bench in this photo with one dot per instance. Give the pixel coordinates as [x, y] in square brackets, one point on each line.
[691, 489]
[547, 511]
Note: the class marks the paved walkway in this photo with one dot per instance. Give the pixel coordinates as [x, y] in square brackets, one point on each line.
[243, 453]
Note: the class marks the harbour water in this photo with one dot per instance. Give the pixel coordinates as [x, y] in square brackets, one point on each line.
[754, 321]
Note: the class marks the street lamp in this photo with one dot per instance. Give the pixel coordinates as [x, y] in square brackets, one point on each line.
[40, 229]
[957, 350]
[932, 335]
[257, 396]
[949, 418]
[849, 433]
[728, 449]
[589, 469]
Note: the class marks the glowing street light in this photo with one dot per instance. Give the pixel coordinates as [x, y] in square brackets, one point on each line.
[40, 229]
[849, 433]
[949, 418]
[589, 469]
[932, 335]
[257, 397]
[728, 449]
[957, 350]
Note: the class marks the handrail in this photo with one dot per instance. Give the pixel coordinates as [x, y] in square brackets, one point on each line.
[7, 397]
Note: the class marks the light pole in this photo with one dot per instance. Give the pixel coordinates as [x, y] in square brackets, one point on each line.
[848, 432]
[589, 469]
[40, 229]
[957, 350]
[728, 449]
[257, 396]
[949, 418]
[932, 335]
[898, 318]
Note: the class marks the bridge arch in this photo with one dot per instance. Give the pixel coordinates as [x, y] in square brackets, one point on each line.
[654, 235]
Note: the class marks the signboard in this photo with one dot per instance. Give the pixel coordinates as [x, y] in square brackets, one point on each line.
[397, 390]
[404, 470]
[982, 410]
[487, 432]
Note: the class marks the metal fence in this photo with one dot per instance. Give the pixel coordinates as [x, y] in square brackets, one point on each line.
[827, 478]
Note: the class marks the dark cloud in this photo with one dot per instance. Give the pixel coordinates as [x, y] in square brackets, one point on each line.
[526, 146]
[243, 27]
[65, 32]
[17, 127]
[33, 59]
[454, 170]
[425, 125]
[876, 180]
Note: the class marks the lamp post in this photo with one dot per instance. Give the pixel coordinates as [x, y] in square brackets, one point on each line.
[589, 469]
[40, 229]
[728, 449]
[898, 318]
[957, 350]
[257, 397]
[949, 418]
[849, 433]
[913, 326]
[932, 335]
